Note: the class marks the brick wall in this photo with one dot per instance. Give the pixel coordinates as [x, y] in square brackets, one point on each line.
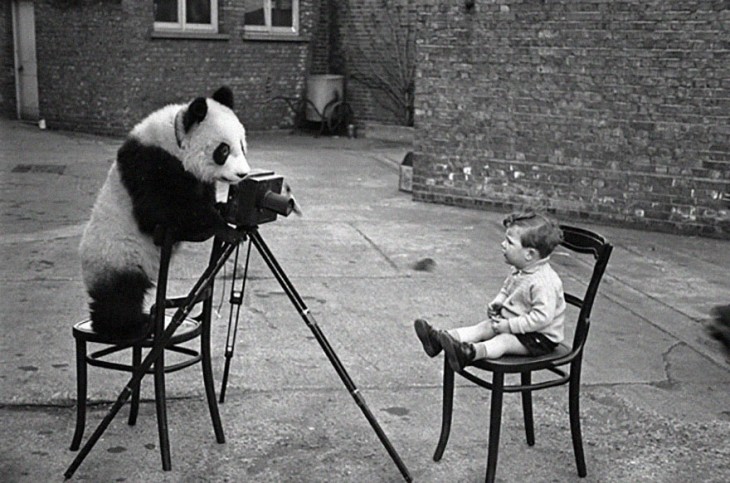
[99, 69]
[7, 63]
[614, 111]
[320, 46]
[360, 36]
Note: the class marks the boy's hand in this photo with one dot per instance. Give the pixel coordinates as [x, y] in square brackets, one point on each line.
[493, 310]
[500, 325]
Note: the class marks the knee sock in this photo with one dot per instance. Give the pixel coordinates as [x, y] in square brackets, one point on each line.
[481, 350]
[454, 333]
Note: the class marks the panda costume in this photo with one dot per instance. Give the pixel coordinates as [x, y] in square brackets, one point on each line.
[164, 174]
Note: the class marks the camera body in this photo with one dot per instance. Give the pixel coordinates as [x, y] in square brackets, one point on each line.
[257, 199]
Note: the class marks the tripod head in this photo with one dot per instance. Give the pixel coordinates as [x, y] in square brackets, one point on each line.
[257, 199]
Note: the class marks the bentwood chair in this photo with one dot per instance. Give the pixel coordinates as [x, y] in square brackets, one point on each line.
[563, 365]
[191, 328]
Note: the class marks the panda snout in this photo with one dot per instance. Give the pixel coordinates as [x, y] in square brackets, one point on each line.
[233, 178]
[237, 169]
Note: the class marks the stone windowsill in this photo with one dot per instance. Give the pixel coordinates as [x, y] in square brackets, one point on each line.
[273, 37]
[171, 34]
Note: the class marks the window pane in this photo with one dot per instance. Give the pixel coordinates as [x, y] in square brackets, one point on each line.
[281, 13]
[166, 11]
[197, 11]
[255, 12]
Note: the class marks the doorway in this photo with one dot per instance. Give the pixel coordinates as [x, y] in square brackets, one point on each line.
[26, 71]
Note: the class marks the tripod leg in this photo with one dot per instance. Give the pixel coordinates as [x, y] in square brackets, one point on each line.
[324, 343]
[224, 381]
[237, 300]
[159, 346]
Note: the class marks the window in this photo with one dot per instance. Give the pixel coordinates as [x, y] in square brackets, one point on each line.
[186, 15]
[272, 16]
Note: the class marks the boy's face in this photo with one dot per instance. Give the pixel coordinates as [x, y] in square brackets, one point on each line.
[514, 253]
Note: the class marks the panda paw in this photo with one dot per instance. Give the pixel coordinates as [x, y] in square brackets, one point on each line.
[231, 235]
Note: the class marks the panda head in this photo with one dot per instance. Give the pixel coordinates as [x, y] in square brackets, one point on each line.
[211, 139]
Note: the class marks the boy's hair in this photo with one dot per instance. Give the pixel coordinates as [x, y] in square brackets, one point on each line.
[538, 231]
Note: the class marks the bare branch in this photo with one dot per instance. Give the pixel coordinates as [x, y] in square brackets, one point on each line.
[381, 53]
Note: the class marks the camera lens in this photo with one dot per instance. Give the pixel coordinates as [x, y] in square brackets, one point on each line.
[281, 204]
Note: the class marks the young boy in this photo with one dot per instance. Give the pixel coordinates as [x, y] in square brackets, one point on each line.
[526, 317]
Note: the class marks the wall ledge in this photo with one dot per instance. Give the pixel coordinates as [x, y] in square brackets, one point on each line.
[386, 132]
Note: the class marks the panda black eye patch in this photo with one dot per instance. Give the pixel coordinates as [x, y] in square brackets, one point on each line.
[220, 155]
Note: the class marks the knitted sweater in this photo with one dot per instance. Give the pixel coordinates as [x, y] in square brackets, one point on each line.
[532, 300]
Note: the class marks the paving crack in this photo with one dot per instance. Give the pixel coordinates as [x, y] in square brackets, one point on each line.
[375, 246]
[669, 382]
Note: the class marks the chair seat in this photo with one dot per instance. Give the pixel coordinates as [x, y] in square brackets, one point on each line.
[187, 330]
[515, 364]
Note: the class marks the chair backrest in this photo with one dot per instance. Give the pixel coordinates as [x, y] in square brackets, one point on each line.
[586, 242]
[165, 238]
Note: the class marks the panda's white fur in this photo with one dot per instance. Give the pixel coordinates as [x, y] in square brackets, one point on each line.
[196, 145]
[112, 240]
[164, 175]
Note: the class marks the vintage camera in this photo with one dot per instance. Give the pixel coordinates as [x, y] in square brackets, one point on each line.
[257, 199]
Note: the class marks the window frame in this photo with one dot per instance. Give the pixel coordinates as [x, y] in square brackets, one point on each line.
[269, 29]
[182, 26]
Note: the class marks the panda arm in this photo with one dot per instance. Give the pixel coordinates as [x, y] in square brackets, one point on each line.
[197, 217]
[163, 193]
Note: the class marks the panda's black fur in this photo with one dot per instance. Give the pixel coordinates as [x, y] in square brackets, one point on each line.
[163, 193]
[164, 175]
[116, 304]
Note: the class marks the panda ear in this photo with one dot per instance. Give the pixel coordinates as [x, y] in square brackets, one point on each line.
[195, 113]
[224, 95]
[187, 117]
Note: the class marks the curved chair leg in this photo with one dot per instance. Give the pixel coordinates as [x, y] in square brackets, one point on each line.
[161, 404]
[80, 394]
[134, 405]
[495, 421]
[527, 409]
[574, 409]
[210, 384]
[446, 414]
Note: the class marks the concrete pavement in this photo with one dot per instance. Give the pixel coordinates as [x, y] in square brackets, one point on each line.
[656, 389]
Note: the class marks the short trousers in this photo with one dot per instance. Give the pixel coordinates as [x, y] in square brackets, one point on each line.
[536, 343]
